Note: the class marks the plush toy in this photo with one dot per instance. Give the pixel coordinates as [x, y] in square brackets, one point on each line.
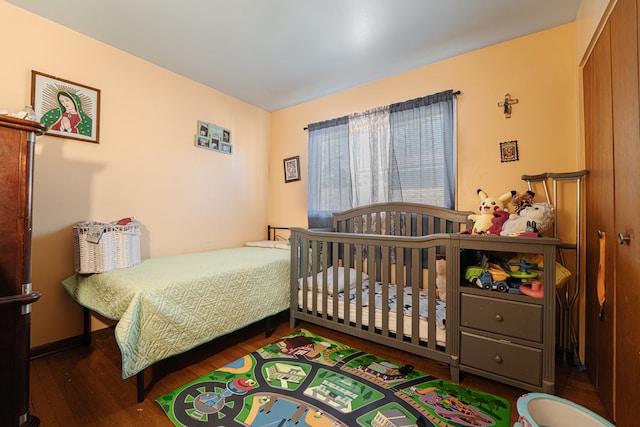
[521, 201]
[538, 217]
[484, 218]
[441, 279]
[500, 216]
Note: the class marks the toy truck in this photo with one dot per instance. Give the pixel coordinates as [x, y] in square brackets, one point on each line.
[483, 279]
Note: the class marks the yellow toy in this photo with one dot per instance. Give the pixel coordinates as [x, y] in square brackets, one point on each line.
[488, 205]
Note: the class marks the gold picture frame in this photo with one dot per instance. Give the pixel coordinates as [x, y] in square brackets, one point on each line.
[68, 109]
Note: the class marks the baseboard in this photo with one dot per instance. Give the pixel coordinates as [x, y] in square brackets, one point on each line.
[78, 340]
[55, 347]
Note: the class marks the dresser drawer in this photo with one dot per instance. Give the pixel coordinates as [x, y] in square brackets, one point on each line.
[510, 318]
[502, 358]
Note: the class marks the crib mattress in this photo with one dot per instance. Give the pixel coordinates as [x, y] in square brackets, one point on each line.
[441, 333]
[166, 306]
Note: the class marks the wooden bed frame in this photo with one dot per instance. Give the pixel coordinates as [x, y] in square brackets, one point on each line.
[388, 242]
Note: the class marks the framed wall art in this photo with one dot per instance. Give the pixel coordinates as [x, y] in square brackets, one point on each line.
[218, 138]
[292, 169]
[509, 151]
[70, 110]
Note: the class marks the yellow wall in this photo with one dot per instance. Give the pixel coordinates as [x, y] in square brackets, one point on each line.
[146, 164]
[540, 70]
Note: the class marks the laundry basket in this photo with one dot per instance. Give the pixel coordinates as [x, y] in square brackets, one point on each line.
[100, 247]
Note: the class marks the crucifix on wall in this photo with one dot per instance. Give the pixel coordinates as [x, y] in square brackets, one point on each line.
[506, 105]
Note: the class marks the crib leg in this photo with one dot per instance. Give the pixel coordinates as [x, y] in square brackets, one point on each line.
[140, 386]
[86, 336]
[455, 374]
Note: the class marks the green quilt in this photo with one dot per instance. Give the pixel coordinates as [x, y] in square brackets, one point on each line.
[166, 306]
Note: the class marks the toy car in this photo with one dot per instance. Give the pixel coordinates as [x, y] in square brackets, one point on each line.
[483, 279]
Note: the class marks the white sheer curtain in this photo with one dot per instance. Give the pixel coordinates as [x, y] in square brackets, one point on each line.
[370, 149]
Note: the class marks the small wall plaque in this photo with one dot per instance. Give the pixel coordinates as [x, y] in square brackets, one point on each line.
[509, 151]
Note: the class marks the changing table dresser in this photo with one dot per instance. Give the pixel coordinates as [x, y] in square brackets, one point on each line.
[506, 336]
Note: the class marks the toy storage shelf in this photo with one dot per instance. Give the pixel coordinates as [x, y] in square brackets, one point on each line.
[506, 337]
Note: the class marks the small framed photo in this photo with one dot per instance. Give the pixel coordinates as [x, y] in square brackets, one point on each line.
[215, 144]
[70, 110]
[509, 151]
[203, 141]
[225, 147]
[203, 128]
[292, 169]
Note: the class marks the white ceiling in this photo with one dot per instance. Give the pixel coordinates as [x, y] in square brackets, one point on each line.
[278, 53]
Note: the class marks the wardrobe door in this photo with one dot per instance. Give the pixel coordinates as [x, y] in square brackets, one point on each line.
[598, 119]
[626, 134]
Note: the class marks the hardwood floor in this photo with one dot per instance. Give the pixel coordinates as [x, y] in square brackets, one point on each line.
[83, 386]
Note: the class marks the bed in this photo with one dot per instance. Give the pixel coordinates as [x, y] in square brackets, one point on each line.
[340, 277]
[168, 305]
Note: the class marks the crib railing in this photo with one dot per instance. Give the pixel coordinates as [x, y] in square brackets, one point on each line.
[330, 265]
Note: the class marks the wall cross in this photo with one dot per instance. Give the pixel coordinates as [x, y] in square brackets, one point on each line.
[506, 105]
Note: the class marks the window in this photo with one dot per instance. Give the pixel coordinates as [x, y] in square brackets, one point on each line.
[402, 152]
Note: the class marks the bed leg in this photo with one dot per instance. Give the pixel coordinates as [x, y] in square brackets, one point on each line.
[268, 325]
[140, 386]
[86, 336]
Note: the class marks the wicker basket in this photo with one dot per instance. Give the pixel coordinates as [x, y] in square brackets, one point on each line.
[118, 246]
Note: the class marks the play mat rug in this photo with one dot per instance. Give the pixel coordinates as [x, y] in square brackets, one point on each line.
[307, 380]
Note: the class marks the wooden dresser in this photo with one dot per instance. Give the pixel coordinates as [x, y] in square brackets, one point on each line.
[17, 140]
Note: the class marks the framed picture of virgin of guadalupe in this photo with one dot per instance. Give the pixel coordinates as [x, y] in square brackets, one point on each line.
[70, 110]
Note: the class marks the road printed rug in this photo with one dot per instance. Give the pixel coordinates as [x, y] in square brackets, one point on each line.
[307, 380]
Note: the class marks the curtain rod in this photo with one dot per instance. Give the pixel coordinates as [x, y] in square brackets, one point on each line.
[456, 93]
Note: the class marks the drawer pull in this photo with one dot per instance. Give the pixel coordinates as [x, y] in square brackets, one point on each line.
[497, 358]
[498, 317]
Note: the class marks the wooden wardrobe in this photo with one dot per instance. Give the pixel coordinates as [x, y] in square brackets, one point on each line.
[17, 140]
[612, 153]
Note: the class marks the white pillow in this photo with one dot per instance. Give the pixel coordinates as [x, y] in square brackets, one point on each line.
[276, 244]
[352, 279]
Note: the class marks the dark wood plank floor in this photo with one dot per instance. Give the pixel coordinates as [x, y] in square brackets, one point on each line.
[83, 386]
